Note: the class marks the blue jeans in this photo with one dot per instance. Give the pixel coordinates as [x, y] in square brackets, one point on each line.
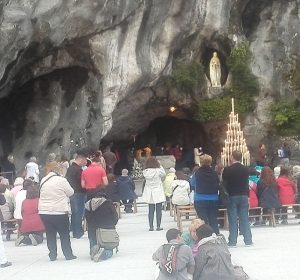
[238, 207]
[77, 207]
[207, 210]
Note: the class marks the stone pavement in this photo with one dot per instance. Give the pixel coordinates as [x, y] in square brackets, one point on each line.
[275, 255]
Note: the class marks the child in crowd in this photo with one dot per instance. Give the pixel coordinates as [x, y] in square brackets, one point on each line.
[32, 227]
[167, 184]
[190, 237]
[175, 259]
[213, 260]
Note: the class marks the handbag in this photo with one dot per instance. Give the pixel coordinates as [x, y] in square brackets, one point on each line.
[107, 238]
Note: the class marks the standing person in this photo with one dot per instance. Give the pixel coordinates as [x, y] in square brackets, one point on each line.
[32, 227]
[110, 160]
[296, 176]
[102, 160]
[64, 165]
[235, 178]
[286, 192]
[100, 213]
[126, 189]
[153, 193]
[180, 190]
[8, 166]
[206, 199]
[284, 154]
[93, 177]
[32, 170]
[54, 208]
[78, 199]
[3, 259]
[197, 153]
[267, 191]
[50, 163]
[261, 155]
[170, 177]
[175, 259]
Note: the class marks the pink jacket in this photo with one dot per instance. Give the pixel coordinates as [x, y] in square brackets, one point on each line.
[286, 190]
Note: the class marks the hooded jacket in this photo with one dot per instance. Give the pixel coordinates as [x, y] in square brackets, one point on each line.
[126, 188]
[286, 190]
[100, 213]
[154, 191]
[213, 261]
[181, 191]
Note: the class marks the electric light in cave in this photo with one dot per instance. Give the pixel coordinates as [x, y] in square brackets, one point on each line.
[172, 109]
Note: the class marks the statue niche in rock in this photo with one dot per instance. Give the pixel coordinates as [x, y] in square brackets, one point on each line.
[215, 71]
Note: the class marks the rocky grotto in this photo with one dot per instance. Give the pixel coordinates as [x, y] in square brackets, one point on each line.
[73, 72]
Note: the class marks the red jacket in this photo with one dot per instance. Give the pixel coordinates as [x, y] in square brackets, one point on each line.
[253, 200]
[31, 221]
[286, 190]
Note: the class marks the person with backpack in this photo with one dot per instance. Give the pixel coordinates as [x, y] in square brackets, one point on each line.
[175, 259]
[101, 217]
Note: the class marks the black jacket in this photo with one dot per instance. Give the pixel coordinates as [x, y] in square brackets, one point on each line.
[267, 195]
[113, 192]
[101, 213]
[73, 176]
[207, 181]
[235, 178]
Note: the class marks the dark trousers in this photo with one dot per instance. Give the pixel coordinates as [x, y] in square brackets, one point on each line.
[77, 207]
[57, 224]
[38, 236]
[128, 204]
[152, 208]
[207, 210]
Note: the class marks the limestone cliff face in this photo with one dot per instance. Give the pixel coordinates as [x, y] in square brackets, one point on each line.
[75, 71]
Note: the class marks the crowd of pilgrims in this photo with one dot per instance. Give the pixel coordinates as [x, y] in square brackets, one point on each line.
[70, 190]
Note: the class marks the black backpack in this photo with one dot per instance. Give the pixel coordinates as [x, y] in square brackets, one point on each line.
[169, 264]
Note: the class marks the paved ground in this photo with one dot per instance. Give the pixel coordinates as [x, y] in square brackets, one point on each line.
[275, 255]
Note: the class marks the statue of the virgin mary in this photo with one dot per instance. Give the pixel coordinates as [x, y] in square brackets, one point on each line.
[215, 71]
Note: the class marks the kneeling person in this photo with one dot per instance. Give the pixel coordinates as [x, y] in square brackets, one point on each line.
[175, 259]
[101, 217]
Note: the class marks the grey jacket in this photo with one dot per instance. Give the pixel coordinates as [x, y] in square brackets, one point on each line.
[213, 260]
[185, 262]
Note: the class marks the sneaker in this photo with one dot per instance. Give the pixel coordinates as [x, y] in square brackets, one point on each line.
[52, 258]
[33, 240]
[19, 240]
[94, 251]
[159, 229]
[231, 245]
[98, 255]
[6, 264]
[151, 229]
[72, 257]
[249, 244]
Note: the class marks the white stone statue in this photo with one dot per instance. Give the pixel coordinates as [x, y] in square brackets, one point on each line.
[215, 71]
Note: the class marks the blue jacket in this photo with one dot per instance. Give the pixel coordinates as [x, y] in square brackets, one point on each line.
[126, 188]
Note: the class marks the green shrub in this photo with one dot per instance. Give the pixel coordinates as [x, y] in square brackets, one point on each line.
[186, 76]
[286, 118]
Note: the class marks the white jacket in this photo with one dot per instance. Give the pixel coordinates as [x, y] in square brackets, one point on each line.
[181, 191]
[154, 192]
[20, 197]
[54, 195]
[32, 170]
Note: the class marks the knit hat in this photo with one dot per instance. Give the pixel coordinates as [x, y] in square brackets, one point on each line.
[277, 171]
[172, 170]
[19, 181]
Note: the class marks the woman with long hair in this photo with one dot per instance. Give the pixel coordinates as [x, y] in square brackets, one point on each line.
[153, 193]
[286, 191]
[267, 191]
